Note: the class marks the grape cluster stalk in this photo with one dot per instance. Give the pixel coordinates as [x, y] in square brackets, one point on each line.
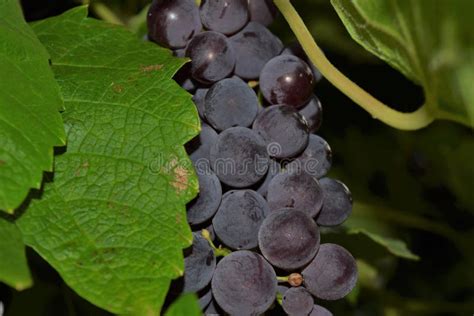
[263, 186]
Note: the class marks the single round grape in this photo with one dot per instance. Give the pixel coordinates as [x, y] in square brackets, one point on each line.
[287, 79]
[225, 16]
[198, 99]
[288, 238]
[199, 147]
[239, 218]
[295, 190]
[297, 301]
[229, 103]
[172, 23]
[254, 46]
[205, 205]
[205, 299]
[244, 283]
[239, 157]
[315, 160]
[337, 205]
[262, 11]
[199, 264]
[312, 112]
[283, 129]
[273, 169]
[296, 50]
[212, 57]
[332, 274]
[320, 311]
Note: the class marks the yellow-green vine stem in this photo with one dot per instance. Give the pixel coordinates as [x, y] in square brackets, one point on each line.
[404, 121]
[218, 251]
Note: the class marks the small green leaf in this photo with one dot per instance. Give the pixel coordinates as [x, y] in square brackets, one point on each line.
[30, 123]
[431, 42]
[185, 305]
[113, 222]
[14, 269]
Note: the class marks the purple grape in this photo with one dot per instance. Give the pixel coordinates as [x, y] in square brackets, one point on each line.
[199, 147]
[198, 99]
[199, 264]
[312, 112]
[212, 57]
[239, 218]
[283, 129]
[229, 103]
[337, 205]
[320, 311]
[296, 50]
[172, 23]
[205, 299]
[183, 76]
[254, 46]
[244, 283]
[295, 190]
[274, 168]
[287, 79]
[225, 16]
[239, 157]
[288, 238]
[262, 11]
[207, 202]
[332, 274]
[297, 301]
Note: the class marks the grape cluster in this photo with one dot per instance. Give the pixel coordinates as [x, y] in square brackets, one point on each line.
[262, 169]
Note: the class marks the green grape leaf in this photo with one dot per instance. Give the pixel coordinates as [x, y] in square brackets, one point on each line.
[30, 122]
[186, 304]
[113, 222]
[430, 42]
[14, 269]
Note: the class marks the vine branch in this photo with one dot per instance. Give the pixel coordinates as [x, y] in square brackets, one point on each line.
[404, 121]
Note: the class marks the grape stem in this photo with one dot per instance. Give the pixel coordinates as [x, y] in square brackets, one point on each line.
[218, 251]
[283, 279]
[404, 121]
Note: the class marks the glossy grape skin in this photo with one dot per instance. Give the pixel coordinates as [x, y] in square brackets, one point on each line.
[287, 79]
[274, 168]
[296, 50]
[212, 57]
[199, 147]
[205, 205]
[239, 218]
[224, 16]
[337, 205]
[262, 11]
[283, 129]
[172, 23]
[312, 113]
[244, 283]
[288, 238]
[295, 190]
[229, 103]
[332, 274]
[297, 301]
[254, 46]
[199, 264]
[315, 160]
[320, 311]
[239, 157]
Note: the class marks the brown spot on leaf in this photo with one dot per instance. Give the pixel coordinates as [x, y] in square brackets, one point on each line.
[84, 166]
[181, 178]
[2, 162]
[150, 68]
[118, 88]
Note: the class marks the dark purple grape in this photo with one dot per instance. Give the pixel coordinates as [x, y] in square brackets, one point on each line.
[287, 79]
[254, 46]
[184, 79]
[229, 103]
[207, 202]
[224, 16]
[315, 160]
[172, 23]
[213, 309]
[283, 129]
[312, 112]
[297, 301]
[239, 218]
[244, 283]
[199, 264]
[320, 311]
[198, 99]
[262, 11]
[288, 238]
[295, 190]
[199, 147]
[239, 157]
[332, 274]
[337, 205]
[205, 299]
[273, 169]
[296, 50]
[212, 57]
